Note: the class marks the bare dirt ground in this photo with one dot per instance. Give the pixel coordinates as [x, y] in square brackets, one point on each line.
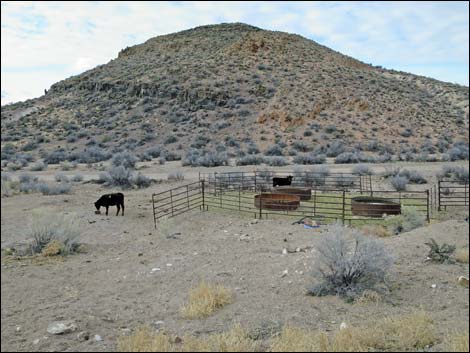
[114, 286]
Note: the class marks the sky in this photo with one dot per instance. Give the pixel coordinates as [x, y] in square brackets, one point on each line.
[45, 42]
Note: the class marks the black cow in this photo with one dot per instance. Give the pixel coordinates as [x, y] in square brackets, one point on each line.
[111, 200]
[282, 181]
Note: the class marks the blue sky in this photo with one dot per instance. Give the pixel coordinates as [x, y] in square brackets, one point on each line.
[45, 42]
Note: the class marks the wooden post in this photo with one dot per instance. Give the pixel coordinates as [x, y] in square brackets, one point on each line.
[255, 180]
[239, 198]
[215, 183]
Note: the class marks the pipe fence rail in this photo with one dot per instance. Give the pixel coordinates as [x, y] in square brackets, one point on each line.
[452, 194]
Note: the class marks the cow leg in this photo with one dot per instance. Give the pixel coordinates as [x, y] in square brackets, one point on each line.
[122, 213]
[118, 208]
[107, 207]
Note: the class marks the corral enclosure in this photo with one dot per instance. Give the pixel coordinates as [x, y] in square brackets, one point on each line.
[323, 197]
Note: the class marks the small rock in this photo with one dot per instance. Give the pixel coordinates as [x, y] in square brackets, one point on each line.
[98, 338]
[343, 326]
[155, 269]
[433, 285]
[140, 254]
[177, 340]
[158, 323]
[61, 327]
[463, 281]
[36, 341]
[169, 265]
[18, 328]
[83, 336]
[284, 273]
[255, 221]
[284, 251]
[297, 249]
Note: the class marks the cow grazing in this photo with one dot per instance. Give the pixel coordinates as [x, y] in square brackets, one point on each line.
[111, 200]
[282, 181]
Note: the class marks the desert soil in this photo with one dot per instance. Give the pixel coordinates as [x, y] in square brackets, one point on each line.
[114, 285]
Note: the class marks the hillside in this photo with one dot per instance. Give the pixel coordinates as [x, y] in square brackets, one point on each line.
[244, 89]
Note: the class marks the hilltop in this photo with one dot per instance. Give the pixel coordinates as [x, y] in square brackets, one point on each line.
[238, 89]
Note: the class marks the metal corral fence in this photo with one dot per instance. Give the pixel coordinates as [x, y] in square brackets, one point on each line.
[323, 203]
[178, 200]
[263, 180]
[451, 194]
[320, 203]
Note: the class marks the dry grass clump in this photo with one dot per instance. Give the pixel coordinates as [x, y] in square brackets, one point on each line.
[461, 255]
[144, 340]
[205, 299]
[376, 230]
[400, 333]
[54, 248]
[369, 296]
[457, 342]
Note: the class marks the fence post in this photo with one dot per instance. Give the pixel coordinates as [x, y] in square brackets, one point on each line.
[439, 195]
[315, 201]
[344, 204]
[153, 207]
[360, 183]
[187, 194]
[255, 180]
[239, 199]
[427, 206]
[260, 204]
[202, 190]
[171, 201]
[465, 195]
[215, 183]
[242, 182]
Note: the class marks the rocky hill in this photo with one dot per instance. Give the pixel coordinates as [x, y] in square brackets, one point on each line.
[238, 89]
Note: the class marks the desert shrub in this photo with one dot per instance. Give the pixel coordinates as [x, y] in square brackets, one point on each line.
[36, 167]
[460, 151]
[440, 253]
[276, 161]
[27, 178]
[399, 183]
[250, 160]
[310, 158]
[91, 155]
[308, 133]
[205, 299]
[343, 181]
[175, 176]
[170, 139]
[66, 166]
[125, 159]
[61, 177]
[362, 169]
[349, 264]
[413, 176]
[77, 178]
[409, 219]
[55, 157]
[459, 174]
[196, 158]
[335, 149]
[154, 151]
[252, 149]
[45, 189]
[231, 141]
[329, 129]
[49, 227]
[346, 158]
[274, 150]
[8, 188]
[14, 166]
[390, 172]
[300, 146]
[161, 160]
[140, 180]
[117, 176]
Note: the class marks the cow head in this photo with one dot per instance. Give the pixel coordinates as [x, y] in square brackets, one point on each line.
[290, 178]
[97, 205]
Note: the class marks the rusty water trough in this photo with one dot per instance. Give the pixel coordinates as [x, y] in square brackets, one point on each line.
[277, 202]
[304, 193]
[374, 206]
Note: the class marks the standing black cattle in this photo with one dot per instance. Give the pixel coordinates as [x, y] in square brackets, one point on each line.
[111, 200]
[282, 181]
